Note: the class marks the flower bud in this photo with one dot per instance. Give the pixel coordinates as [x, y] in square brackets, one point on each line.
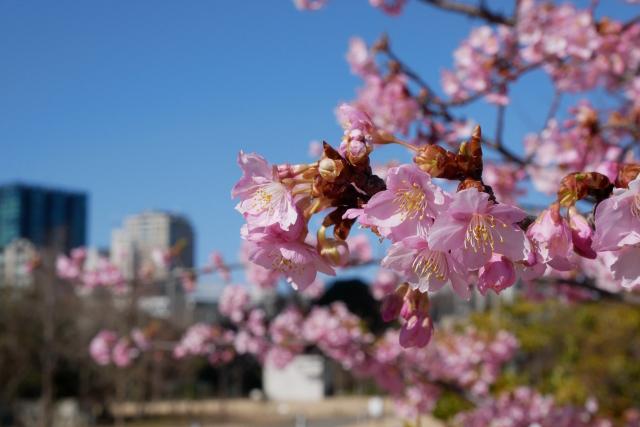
[498, 274]
[432, 159]
[627, 173]
[393, 302]
[330, 169]
[336, 252]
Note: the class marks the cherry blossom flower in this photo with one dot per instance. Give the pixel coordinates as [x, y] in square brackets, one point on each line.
[234, 302]
[408, 206]
[264, 200]
[425, 269]
[617, 219]
[101, 346]
[476, 228]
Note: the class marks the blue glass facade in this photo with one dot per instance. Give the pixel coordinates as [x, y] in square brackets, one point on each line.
[47, 217]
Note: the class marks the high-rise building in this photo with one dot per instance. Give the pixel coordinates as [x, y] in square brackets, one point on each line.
[143, 236]
[46, 217]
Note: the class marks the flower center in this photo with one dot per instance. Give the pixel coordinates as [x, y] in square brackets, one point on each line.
[482, 233]
[412, 202]
[284, 265]
[429, 263]
[635, 206]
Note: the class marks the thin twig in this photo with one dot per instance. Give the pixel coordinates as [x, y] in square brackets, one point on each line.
[479, 11]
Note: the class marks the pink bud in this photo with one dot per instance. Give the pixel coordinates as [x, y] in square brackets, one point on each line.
[416, 332]
[498, 274]
[581, 234]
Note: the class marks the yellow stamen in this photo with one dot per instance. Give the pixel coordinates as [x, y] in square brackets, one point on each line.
[482, 233]
[432, 263]
[412, 201]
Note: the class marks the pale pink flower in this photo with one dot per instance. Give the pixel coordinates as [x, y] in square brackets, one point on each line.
[408, 206]
[101, 346]
[425, 269]
[617, 219]
[388, 103]
[124, 353]
[360, 58]
[234, 302]
[297, 261]
[476, 228]
[264, 200]
[309, 4]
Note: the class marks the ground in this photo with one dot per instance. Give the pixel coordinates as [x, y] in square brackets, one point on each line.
[334, 412]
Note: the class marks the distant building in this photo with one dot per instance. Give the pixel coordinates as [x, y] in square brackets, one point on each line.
[47, 217]
[136, 246]
[143, 236]
[15, 263]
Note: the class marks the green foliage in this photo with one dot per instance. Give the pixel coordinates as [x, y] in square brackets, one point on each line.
[573, 351]
[450, 404]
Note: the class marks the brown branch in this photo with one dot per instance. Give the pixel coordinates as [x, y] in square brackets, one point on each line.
[480, 11]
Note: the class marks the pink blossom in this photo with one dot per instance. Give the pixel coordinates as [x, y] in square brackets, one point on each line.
[360, 250]
[617, 219]
[233, 302]
[309, 4]
[408, 206]
[297, 261]
[384, 283]
[101, 346]
[476, 228]
[553, 237]
[123, 353]
[581, 234]
[388, 103]
[498, 274]
[392, 7]
[360, 58]
[504, 180]
[264, 200]
[426, 269]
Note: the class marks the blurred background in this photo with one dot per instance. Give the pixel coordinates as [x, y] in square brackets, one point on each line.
[120, 123]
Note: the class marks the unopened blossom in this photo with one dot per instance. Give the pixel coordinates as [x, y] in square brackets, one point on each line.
[233, 302]
[498, 274]
[553, 237]
[476, 228]
[417, 328]
[264, 200]
[581, 234]
[408, 206]
[219, 266]
[359, 133]
[101, 346]
[426, 269]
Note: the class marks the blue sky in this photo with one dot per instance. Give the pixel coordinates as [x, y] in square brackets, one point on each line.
[145, 104]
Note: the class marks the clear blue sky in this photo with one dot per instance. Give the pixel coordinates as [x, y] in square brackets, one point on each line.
[145, 104]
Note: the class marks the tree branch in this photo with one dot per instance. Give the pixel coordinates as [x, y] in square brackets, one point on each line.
[479, 11]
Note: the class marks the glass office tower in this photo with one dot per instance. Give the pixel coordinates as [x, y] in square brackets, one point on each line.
[47, 217]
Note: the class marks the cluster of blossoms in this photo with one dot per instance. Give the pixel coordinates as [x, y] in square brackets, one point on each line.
[89, 270]
[469, 360]
[526, 407]
[107, 348]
